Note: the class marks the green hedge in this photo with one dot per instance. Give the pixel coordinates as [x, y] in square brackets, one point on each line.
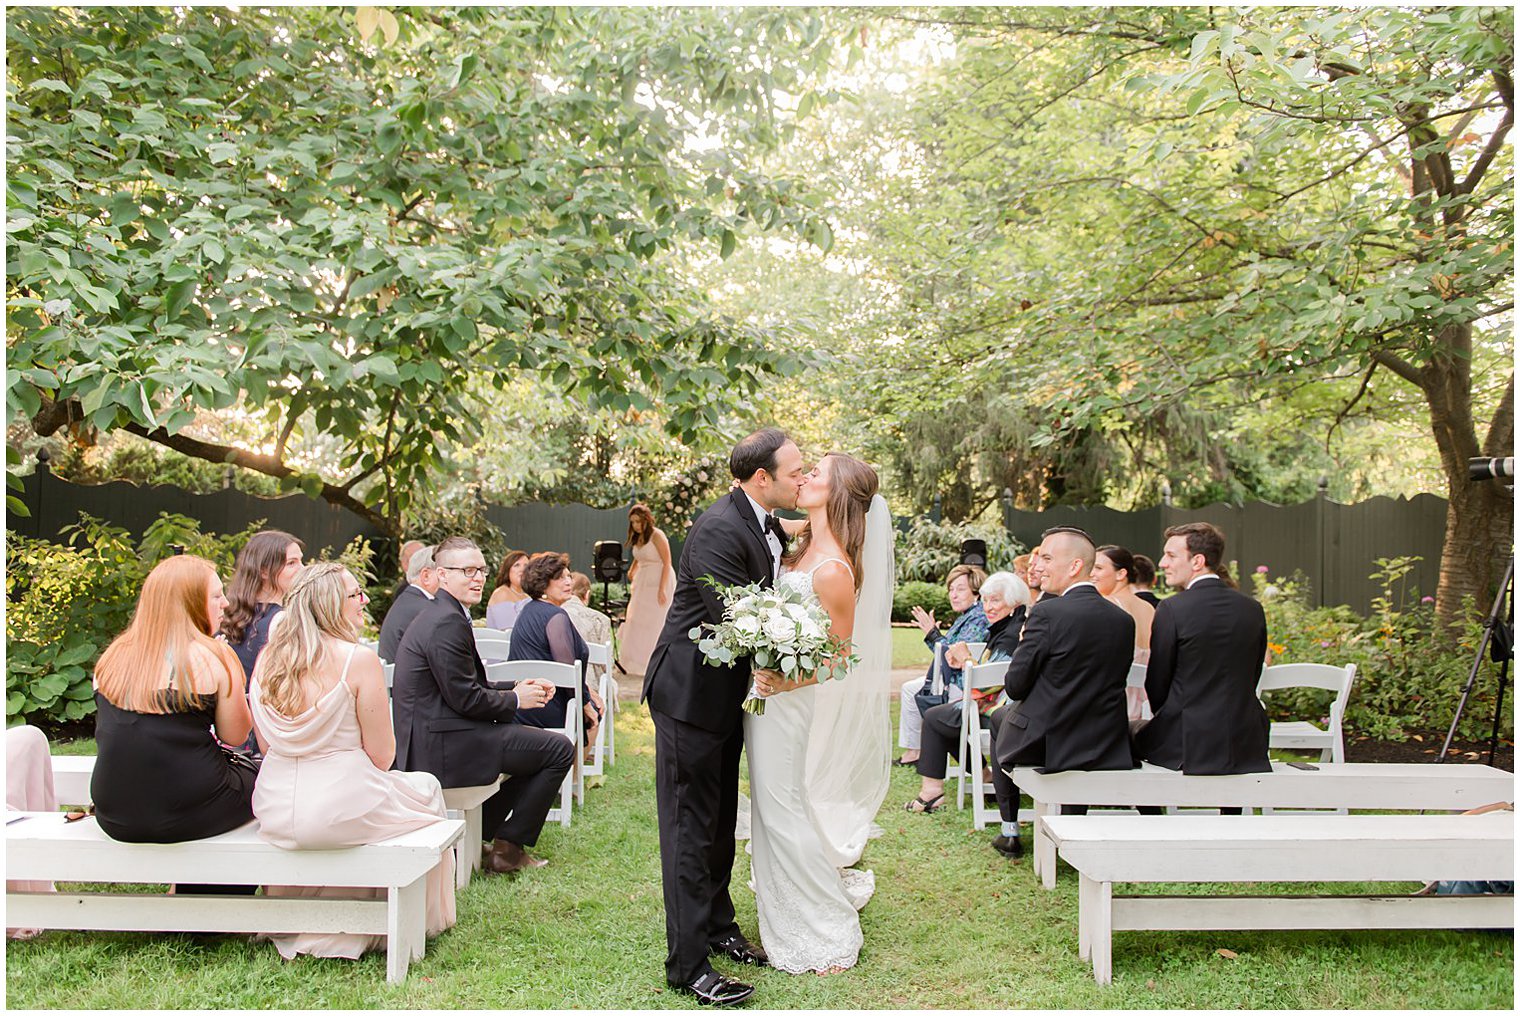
[66, 602]
[929, 595]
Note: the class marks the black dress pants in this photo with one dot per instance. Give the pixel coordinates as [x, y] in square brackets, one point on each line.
[1002, 784]
[535, 762]
[940, 736]
[697, 789]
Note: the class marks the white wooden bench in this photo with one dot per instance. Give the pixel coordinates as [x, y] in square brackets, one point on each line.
[42, 846]
[468, 802]
[71, 778]
[1370, 786]
[71, 785]
[1280, 848]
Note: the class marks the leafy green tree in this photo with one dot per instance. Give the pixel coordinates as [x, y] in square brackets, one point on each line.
[331, 224]
[1130, 220]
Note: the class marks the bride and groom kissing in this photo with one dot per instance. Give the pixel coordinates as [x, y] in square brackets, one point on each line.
[818, 755]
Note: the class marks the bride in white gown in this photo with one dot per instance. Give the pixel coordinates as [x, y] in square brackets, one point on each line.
[819, 755]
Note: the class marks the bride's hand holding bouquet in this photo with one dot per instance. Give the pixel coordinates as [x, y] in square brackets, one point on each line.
[786, 635]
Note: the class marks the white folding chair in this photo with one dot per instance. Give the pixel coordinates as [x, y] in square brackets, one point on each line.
[1302, 733]
[1298, 734]
[492, 644]
[601, 751]
[976, 742]
[564, 675]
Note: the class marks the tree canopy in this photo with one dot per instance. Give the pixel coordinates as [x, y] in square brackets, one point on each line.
[335, 231]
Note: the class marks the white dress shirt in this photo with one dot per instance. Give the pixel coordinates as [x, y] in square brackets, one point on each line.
[762, 516]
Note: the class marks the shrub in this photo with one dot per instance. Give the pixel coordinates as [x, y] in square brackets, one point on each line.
[64, 604]
[1409, 677]
[929, 595]
[928, 550]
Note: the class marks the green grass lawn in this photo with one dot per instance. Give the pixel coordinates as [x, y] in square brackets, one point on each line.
[953, 925]
[908, 649]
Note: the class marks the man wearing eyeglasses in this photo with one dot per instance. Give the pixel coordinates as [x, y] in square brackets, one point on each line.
[1069, 670]
[452, 722]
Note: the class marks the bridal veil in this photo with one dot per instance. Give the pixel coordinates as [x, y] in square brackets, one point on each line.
[849, 747]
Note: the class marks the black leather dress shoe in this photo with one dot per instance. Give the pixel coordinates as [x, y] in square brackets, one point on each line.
[712, 988]
[1008, 846]
[740, 950]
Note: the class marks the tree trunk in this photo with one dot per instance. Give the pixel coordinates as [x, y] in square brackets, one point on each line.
[1479, 515]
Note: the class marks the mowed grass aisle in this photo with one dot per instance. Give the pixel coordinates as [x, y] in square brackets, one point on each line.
[952, 926]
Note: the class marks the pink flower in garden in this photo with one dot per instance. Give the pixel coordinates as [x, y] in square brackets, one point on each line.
[1261, 569]
[1324, 643]
[1427, 599]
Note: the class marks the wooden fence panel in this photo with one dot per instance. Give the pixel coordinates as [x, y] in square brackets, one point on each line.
[571, 528]
[1333, 545]
[56, 503]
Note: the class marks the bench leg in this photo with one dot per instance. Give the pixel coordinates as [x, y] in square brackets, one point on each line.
[1095, 920]
[1044, 846]
[469, 847]
[405, 920]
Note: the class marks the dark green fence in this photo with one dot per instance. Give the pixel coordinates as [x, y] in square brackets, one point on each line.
[1334, 545]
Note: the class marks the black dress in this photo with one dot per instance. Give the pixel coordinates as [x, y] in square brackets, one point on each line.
[543, 631]
[162, 777]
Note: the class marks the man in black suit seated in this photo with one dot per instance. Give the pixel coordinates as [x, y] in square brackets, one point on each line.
[1069, 671]
[1208, 642]
[420, 589]
[451, 722]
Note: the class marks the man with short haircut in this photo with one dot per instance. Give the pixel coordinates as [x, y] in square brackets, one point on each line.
[1068, 673]
[452, 722]
[420, 589]
[1207, 646]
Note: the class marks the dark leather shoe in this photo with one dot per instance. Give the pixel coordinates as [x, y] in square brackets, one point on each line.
[712, 988]
[1008, 846]
[507, 857]
[740, 950]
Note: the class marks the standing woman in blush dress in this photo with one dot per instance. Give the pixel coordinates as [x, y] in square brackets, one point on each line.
[324, 722]
[651, 581]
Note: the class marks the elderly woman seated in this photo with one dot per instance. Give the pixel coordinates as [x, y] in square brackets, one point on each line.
[964, 584]
[1005, 601]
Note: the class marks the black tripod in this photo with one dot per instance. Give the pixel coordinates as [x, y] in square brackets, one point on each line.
[1499, 641]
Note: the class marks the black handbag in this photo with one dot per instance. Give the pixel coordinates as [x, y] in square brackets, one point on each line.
[238, 760]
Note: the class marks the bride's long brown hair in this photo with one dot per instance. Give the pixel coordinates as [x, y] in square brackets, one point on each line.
[852, 484]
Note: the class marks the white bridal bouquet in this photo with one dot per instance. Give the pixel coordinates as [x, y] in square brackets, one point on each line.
[780, 629]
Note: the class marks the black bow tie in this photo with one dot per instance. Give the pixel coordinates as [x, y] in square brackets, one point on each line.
[773, 525]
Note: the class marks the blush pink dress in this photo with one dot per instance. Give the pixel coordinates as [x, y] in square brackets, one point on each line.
[646, 614]
[318, 790]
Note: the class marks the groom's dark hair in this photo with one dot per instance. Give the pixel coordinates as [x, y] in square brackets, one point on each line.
[758, 451]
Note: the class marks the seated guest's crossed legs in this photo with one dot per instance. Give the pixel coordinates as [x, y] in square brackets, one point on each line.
[535, 762]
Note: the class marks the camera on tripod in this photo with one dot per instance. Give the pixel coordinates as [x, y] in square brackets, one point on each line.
[1490, 469]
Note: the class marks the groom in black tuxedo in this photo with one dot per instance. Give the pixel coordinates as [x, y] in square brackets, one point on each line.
[696, 712]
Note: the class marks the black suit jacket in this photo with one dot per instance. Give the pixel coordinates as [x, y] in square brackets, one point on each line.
[1207, 647]
[1068, 674]
[409, 603]
[725, 542]
[449, 719]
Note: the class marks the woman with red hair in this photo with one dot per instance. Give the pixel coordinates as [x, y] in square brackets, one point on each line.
[160, 689]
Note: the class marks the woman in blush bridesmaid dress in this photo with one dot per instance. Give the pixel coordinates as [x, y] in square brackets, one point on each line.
[651, 582]
[324, 722]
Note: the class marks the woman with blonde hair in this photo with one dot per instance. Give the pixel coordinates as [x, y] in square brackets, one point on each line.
[324, 725]
[160, 689]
